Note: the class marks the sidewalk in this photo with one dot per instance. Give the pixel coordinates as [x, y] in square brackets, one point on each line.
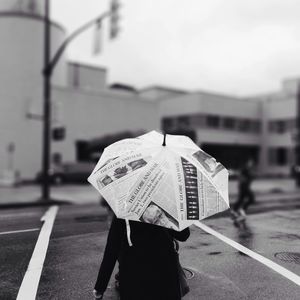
[266, 191]
[29, 195]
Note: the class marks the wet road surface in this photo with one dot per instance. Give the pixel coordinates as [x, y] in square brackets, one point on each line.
[221, 272]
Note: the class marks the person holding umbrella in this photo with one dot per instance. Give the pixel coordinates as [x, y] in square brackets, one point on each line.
[148, 268]
[154, 206]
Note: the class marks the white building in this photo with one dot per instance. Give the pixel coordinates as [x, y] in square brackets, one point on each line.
[225, 126]
[234, 129]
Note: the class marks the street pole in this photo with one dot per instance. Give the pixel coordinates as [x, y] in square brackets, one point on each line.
[49, 65]
[46, 106]
[297, 139]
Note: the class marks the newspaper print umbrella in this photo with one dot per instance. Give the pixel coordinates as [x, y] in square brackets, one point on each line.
[163, 180]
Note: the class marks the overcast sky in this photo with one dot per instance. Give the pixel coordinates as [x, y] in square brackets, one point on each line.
[229, 46]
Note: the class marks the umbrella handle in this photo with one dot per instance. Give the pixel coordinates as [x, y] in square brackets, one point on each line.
[164, 142]
[128, 232]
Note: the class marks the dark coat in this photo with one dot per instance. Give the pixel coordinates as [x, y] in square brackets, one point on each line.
[148, 269]
[246, 178]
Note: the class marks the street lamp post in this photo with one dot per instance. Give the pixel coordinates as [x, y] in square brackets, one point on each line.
[49, 65]
[46, 107]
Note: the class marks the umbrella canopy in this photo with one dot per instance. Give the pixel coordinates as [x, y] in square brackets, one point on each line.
[163, 180]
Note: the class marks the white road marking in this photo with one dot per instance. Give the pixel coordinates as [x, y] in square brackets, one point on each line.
[30, 283]
[267, 262]
[19, 231]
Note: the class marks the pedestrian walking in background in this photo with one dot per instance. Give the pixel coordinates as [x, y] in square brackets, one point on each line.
[245, 194]
[148, 269]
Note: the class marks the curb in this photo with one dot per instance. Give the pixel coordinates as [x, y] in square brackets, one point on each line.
[255, 208]
[36, 203]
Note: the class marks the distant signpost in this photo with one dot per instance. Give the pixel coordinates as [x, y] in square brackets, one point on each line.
[296, 138]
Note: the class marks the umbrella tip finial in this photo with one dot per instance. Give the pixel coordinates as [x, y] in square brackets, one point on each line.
[164, 142]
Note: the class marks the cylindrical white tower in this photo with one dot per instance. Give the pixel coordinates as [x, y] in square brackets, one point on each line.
[21, 81]
[22, 40]
[25, 6]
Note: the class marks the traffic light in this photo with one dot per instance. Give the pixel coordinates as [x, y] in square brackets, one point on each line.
[114, 18]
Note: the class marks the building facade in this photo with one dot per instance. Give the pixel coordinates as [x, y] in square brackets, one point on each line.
[86, 108]
[232, 129]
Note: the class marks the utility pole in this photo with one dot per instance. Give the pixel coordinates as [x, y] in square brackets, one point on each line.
[46, 106]
[297, 139]
[49, 65]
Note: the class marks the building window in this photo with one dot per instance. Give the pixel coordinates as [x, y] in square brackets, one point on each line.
[197, 121]
[256, 126]
[183, 121]
[168, 124]
[278, 156]
[244, 125]
[291, 124]
[213, 121]
[271, 126]
[279, 126]
[229, 123]
[282, 156]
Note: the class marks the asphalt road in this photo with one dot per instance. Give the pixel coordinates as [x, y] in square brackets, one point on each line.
[220, 271]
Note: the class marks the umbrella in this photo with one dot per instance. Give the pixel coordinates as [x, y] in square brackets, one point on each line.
[166, 180]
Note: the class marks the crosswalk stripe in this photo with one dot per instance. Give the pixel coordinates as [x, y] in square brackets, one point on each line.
[19, 231]
[267, 262]
[30, 283]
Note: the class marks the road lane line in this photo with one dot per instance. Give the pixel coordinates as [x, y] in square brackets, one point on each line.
[30, 283]
[19, 231]
[267, 262]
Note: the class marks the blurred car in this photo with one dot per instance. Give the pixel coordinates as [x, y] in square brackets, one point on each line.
[70, 172]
